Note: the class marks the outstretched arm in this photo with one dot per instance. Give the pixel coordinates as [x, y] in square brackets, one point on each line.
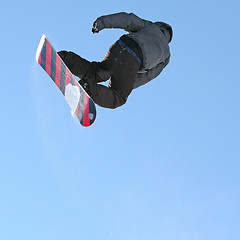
[129, 22]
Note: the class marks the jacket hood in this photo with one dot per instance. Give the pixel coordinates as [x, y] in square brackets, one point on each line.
[166, 29]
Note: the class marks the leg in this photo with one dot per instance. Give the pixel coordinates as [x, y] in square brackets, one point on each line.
[97, 71]
[124, 69]
[105, 96]
[118, 64]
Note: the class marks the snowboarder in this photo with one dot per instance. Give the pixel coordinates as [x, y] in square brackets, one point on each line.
[132, 61]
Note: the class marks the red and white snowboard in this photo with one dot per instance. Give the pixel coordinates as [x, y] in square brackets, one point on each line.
[79, 101]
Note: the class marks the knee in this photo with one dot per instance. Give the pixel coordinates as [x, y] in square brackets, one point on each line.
[118, 102]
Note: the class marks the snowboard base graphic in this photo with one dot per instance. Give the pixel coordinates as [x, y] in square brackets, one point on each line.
[79, 101]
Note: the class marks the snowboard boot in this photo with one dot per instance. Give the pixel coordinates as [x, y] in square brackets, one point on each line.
[62, 54]
[84, 83]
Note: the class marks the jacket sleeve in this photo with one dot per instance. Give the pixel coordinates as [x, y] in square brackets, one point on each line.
[129, 22]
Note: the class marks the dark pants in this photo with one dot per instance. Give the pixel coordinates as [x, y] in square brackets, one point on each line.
[120, 66]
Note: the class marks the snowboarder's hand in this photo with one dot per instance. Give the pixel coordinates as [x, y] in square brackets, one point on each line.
[95, 28]
[98, 25]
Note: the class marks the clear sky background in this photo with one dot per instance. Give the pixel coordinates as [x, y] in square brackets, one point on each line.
[163, 166]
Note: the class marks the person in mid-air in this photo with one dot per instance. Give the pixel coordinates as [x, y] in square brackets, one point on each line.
[132, 61]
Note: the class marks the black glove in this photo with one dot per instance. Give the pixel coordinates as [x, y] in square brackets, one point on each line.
[95, 28]
[62, 54]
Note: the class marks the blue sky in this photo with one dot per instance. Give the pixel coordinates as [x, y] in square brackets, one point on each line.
[163, 166]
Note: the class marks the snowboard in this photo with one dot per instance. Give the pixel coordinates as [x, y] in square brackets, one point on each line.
[79, 101]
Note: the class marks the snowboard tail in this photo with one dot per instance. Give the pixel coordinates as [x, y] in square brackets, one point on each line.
[79, 101]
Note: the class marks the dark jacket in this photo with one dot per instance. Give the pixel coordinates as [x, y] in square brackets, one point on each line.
[152, 38]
